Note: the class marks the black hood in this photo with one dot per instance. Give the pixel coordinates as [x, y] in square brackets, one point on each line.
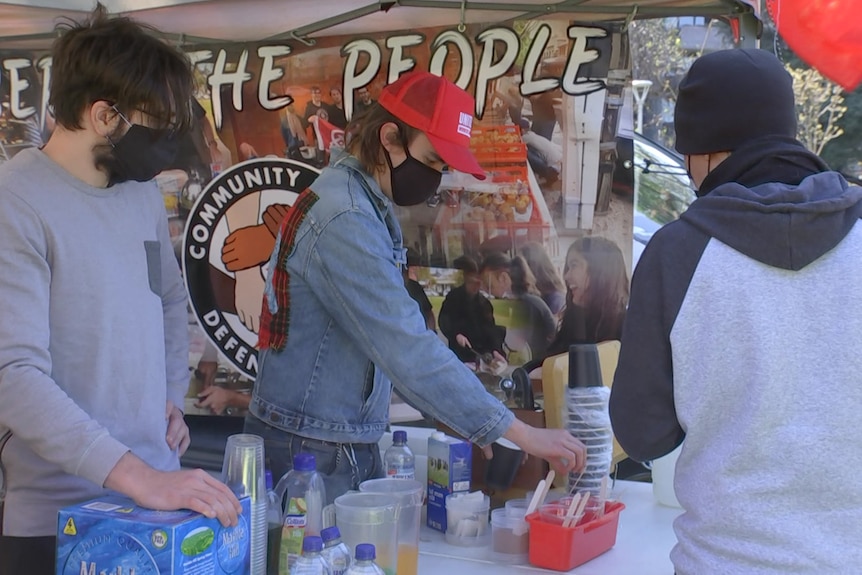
[776, 202]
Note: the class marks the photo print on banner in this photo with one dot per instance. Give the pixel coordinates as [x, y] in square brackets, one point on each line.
[551, 128]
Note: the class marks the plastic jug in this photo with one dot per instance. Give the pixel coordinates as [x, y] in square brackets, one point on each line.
[410, 495]
[370, 518]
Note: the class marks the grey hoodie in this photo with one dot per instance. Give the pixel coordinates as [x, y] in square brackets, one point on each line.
[743, 337]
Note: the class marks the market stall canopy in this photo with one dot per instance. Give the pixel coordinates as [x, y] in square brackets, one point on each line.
[30, 23]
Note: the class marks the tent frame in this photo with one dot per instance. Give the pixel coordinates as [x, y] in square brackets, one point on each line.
[729, 8]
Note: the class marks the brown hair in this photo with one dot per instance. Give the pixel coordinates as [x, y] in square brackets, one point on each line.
[548, 279]
[523, 280]
[601, 316]
[363, 136]
[124, 63]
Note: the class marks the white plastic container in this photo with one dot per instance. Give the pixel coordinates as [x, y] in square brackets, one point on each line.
[467, 519]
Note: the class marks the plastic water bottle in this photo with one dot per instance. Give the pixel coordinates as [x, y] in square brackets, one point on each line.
[302, 494]
[273, 526]
[587, 418]
[311, 562]
[364, 564]
[398, 459]
[335, 552]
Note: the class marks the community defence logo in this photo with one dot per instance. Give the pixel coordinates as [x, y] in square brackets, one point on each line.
[229, 236]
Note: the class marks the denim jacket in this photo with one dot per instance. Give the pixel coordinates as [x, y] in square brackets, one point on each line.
[354, 331]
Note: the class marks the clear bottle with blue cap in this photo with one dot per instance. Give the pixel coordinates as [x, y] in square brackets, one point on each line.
[302, 495]
[335, 551]
[364, 561]
[311, 562]
[398, 459]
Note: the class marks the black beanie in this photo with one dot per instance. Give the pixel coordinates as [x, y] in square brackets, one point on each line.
[731, 97]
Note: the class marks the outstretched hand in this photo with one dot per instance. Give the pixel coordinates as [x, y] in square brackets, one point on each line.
[558, 447]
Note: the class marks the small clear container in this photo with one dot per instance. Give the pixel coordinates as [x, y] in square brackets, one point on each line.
[467, 519]
[510, 537]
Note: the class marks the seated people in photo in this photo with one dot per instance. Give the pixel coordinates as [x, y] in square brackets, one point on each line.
[507, 94]
[467, 317]
[551, 287]
[512, 279]
[545, 156]
[293, 133]
[417, 292]
[598, 293]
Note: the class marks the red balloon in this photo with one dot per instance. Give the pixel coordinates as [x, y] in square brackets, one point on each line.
[827, 34]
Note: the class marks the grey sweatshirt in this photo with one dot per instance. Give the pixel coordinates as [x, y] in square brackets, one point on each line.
[93, 336]
[743, 336]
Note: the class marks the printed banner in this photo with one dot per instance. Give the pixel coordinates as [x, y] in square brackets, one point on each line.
[551, 128]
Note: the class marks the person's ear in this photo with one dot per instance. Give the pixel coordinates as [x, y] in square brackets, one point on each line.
[103, 118]
[390, 138]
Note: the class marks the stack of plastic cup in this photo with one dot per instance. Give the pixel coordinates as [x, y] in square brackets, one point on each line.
[243, 473]
[587, 418]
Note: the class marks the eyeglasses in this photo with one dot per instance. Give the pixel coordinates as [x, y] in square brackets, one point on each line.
[169, 131]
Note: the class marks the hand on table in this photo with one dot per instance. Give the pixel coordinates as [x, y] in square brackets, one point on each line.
[207, 371]
[194, 489]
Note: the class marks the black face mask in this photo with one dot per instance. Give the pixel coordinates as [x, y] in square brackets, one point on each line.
[412, 182]
[141, 154]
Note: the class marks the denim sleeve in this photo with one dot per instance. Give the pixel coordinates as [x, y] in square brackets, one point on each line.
[352, 269]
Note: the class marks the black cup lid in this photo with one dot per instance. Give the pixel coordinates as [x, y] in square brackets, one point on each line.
[584, 368]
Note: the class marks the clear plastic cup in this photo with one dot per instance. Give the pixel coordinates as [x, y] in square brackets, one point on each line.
[243, 473]
[467, 522]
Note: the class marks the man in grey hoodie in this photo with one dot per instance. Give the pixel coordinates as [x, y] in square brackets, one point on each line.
[742, 336]
[93, 335]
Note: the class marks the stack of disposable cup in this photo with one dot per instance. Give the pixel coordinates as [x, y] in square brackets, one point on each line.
[587, 418]
[243, 472]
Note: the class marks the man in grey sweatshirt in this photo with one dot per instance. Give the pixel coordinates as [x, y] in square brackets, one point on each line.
[93, 325]
[742, 336]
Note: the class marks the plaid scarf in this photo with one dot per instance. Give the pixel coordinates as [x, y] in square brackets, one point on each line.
[275, 315]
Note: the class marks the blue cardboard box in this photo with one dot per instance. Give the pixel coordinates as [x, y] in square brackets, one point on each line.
[450, 466]
[113, 536]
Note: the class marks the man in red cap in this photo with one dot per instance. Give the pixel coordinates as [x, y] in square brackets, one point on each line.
[338, 329]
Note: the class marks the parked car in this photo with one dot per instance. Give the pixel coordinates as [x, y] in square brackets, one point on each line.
[663, 190]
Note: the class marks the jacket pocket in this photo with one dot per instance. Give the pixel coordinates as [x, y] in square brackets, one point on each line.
[153, 249]
[368, 385]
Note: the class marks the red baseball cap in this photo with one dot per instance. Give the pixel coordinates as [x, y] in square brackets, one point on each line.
[440, 109]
